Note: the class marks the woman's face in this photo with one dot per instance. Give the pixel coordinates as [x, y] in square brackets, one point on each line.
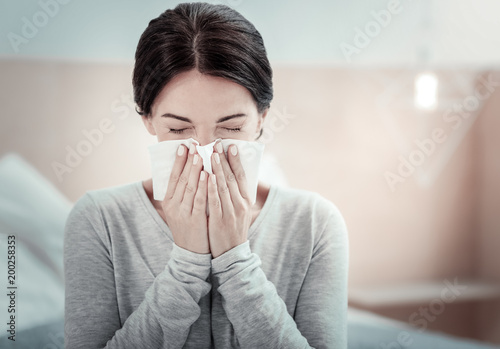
[205, 108]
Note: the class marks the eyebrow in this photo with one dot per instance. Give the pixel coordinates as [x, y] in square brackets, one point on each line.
[222, 119]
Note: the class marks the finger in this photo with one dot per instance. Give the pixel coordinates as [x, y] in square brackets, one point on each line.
[229, 175]
[200, 200]
[222, 187]
[180, 160]
[238, 171]
[183, 178]
[192, 184]
[214, 204]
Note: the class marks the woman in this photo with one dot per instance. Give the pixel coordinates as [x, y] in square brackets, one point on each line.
[142, 273]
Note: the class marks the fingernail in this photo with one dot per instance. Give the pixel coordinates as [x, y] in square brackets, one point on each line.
[217, 159]
[234, 149]
[219, 147]
[191, 149]
[213, 178]
[195, 159]
[202, 175]
[180, 151]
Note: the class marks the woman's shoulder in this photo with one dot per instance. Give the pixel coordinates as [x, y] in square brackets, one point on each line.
[117, 197]
[305, 208]
[95, 211]
[307, 201]
[309, 214]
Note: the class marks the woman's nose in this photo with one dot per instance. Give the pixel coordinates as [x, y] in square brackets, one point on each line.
[206, 140]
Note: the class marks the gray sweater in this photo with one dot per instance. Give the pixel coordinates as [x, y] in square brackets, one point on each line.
[128, 285]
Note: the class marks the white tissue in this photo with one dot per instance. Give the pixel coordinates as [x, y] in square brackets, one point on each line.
[163, 155]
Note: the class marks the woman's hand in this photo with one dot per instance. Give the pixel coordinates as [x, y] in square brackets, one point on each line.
[185, 202]
[229, 204]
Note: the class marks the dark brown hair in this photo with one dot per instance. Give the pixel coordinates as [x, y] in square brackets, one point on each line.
[214, 39]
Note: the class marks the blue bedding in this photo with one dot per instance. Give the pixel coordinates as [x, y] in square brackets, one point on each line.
[373, 333]
[370, 331]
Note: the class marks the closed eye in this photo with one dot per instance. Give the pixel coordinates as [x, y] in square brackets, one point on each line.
[180, 130]
[236, 129]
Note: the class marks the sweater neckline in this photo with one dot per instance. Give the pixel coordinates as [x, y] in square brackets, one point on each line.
[271, 196]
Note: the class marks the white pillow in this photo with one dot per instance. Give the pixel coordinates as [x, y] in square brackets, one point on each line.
[35, 212]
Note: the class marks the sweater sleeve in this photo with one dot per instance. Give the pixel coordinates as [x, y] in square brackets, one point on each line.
[321, 312]
[259, 315]
[164, 317]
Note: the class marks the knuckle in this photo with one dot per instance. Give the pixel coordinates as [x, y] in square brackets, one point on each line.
[224, 189]
[240, 175]
[184, 209]
[232, 217]
[230, 177]
[216, 203]
[183, 179]
[174, 178]
[241, 205]
[199, 201]
[190, 189]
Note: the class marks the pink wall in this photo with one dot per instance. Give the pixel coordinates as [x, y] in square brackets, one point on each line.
[412, 233]
[488, 218]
